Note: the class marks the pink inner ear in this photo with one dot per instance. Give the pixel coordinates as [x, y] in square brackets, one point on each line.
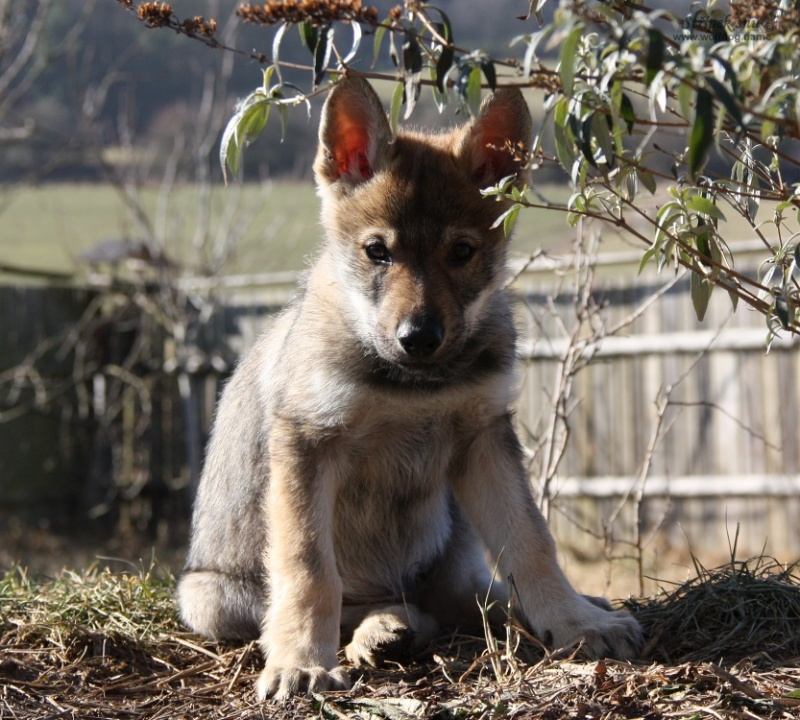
[351, 152]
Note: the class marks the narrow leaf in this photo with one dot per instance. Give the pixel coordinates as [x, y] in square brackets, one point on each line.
[396, 107]
[356, 43]
[702, 134]
[704, 245]
[701, 293]
[568, 58]
[646, 258]
[308, 35]
[703, 205]
[393, 51]
[473, 91]
[440, 98]
[228, 150]
[276, 48]
[685, 99]
[443, 64]
[647, 179]
[489, 72]
[602, 135]
[627, 112]
[447, 54]
[655, 55]
[322, 53]
[510, 220]
[412, 90]
[376, 43]
[412, 56]
[728, 101]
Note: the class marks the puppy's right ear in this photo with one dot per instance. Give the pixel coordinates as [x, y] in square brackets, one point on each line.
[353, 134]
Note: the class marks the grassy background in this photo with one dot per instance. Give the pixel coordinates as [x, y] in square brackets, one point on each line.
[47, 227]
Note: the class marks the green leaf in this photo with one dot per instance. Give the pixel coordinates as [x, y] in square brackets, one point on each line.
[276, 47]
[412, 56]
[703, 205]
[447, 55]
[443, 64]
[568, 58]
[510, 220]
[584, 138]
[489, 72]
[308, 35]
[376, 43]
[647, 179]
[702, 134]
[685, 95]
[229, 150]
[701, 290]
[283, 111]
[704, 245]
[396, 107]
[248, 122]
[473, 91]
[627, 112]
[602, 135]
[728, 101]
[655, 55]
[646, 258]
[769, 128]
[564, 150]
[440, 98]
[793, 695]
[412, 90]
[322, 53]
[356, 44]
[783, 312]
[734, 299]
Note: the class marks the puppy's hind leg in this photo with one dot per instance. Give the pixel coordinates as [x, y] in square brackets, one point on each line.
[221, 606]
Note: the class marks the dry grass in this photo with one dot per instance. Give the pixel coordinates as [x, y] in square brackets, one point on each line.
[742, 610]
[100, 645]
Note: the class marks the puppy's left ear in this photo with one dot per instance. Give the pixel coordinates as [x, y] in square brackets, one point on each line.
[493, 142]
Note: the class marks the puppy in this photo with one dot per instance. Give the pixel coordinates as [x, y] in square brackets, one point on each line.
[363, 458]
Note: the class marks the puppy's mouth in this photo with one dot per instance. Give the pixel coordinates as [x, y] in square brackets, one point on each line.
[397, 366]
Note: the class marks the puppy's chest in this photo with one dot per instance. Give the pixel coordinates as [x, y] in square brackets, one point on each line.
[399, 459]
[393, 512]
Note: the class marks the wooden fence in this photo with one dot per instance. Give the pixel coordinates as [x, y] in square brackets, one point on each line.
[727, 451]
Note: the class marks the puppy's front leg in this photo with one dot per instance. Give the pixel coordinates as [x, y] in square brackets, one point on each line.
[301, 629]
[492, 486]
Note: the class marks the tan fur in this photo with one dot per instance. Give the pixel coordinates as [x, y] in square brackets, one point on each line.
[363, 457]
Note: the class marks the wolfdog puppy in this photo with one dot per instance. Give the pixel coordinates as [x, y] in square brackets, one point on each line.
[363, 461]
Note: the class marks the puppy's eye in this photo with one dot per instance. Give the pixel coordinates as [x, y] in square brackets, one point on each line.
[378, 252]
[461, 252]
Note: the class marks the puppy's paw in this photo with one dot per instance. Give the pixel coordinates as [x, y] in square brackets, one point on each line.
[281, 682]
[389, 633]
[604, 632]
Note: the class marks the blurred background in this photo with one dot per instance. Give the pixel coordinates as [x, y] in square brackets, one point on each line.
[132, 278]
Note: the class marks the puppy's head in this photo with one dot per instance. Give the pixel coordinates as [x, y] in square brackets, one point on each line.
[412, 236]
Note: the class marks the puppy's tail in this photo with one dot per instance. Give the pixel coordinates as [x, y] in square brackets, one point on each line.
[221, 606]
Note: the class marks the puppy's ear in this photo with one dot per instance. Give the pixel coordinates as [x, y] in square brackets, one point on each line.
[353, 134]
[493, 142]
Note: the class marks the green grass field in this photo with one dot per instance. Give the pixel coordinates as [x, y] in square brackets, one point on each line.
[48, 227]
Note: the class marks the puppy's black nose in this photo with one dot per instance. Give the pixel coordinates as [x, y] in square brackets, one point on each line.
[420, 339]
